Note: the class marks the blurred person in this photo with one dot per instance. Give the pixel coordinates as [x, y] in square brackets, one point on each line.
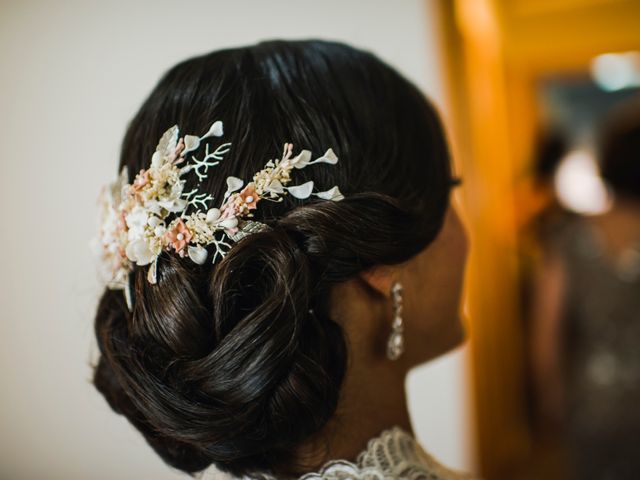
[587, 322]
[269, 336]
[544, 217]
[541, 216]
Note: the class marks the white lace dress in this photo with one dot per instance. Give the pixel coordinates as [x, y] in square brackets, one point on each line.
[393, 454]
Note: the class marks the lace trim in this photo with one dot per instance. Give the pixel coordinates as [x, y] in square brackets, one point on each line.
[393, 454]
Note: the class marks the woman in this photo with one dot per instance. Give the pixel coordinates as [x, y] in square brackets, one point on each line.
[268, 332]
[587, 327]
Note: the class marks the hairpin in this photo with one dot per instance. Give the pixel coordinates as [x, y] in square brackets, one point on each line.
[155, 214]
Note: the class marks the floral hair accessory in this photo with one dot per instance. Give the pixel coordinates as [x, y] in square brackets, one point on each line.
[154, 213]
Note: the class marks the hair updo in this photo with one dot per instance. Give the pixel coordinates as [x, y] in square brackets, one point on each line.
[237, 363]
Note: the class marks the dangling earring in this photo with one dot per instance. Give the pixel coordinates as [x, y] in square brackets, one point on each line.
[395, 344]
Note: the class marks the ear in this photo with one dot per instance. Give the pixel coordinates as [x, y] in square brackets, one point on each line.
[380, 278]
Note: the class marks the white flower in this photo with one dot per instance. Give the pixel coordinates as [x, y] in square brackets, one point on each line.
[153, 206]
[213, 214]
[229, 223]
[197, 253]
[331, 194]
[302, 159]
[233, 184]
[137, 220]
[301, 191]
[328, 157]
[202, 230]
[153, 221]
[109, 232]
[159, 231]
[139, 251]
[215, 130]
[275, 188]
[191, 142]
[175, 205]
[156, 160]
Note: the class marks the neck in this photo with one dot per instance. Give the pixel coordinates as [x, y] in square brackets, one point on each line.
[373, 399]
[372, 402]
[373, 396]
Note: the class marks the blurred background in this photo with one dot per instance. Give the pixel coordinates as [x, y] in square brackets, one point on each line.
[540, 101]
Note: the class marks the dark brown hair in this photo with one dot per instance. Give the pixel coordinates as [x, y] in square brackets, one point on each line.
[619, 148]
[238, 362]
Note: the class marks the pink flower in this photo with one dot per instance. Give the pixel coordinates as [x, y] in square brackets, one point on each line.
[176, 157]
[228, 218]
[240, 203]
[141, 180]
[122, 222]
[288, 150]
[178, 237]
[229, 208]
[248, 197]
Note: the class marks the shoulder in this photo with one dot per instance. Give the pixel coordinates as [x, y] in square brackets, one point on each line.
[441, 471]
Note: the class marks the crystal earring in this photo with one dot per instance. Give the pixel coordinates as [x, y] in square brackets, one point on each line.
[395, 344]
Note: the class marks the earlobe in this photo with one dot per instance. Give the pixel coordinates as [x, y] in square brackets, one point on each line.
[380, 279]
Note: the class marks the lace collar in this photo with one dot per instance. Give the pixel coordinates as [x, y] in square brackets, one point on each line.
[393, 454]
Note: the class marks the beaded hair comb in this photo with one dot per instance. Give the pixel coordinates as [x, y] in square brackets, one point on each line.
[155, 214]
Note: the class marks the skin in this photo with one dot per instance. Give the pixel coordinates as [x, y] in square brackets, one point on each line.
[373, 396]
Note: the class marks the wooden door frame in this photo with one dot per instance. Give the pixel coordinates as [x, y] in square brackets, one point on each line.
[497, 52]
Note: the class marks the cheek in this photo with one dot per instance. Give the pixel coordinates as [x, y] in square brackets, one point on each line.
[436, 283]
[433, 323]
[435, 300]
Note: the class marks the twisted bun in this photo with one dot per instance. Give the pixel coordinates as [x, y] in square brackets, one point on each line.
[243, 385]
[242, 380]
[239, 362]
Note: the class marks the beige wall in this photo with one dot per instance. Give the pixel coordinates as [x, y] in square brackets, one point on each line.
[72, 74]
